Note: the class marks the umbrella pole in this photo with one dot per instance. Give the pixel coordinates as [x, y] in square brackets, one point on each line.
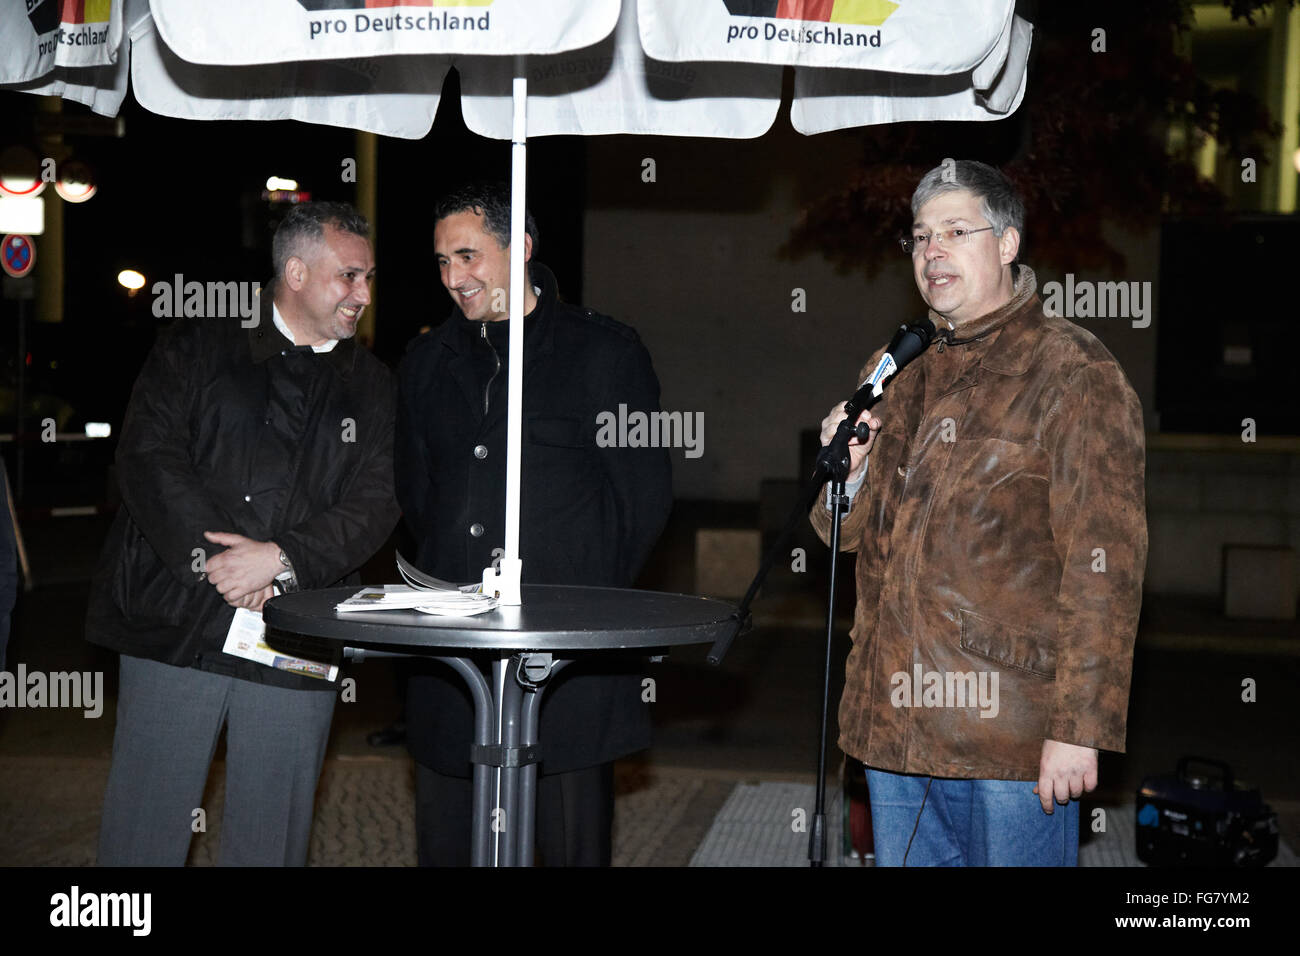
[505, 582]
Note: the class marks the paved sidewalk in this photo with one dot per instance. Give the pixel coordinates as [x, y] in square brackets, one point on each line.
[49, 816]
[365, 812]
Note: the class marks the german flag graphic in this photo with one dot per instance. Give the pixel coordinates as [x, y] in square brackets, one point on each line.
[85, 11]
[858, 12]
[44, 16]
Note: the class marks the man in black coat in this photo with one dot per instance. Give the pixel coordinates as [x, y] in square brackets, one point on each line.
[255, 457]
[590, 513]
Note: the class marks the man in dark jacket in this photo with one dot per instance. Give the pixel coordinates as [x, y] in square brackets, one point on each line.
[252, 460]
[589, 515]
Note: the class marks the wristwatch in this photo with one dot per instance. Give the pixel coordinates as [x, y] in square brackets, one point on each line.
[286, 581]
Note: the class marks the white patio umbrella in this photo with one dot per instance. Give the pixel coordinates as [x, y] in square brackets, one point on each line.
[42, 35]
[532, 67]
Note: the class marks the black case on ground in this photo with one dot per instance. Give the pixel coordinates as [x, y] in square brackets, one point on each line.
[1198, 819]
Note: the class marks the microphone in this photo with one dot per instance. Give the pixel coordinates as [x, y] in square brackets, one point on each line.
[908, 342]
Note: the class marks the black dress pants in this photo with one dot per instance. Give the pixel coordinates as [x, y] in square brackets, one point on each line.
[575, 816]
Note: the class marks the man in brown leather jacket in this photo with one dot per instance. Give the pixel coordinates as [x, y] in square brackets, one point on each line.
[998, 514]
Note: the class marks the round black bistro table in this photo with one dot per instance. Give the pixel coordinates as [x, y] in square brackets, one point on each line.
[525, 645]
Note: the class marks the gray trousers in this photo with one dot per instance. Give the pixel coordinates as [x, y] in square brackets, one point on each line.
[168, 722]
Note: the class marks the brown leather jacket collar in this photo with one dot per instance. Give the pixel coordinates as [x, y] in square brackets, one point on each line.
[1014, 349]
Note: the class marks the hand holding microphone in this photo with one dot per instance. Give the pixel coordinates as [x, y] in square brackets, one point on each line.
[844, 440]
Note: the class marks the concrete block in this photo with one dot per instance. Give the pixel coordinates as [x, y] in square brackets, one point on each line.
[1292, 503]
[1244, 492]
[1259, 582]
[726, 560]
[1186, 551]
[1171, 491]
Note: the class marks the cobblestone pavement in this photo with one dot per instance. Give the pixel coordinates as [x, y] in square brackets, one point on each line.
[49, 816]
[365, 813]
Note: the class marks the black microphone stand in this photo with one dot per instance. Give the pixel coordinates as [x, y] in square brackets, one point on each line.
[832, 465]
[834, 461]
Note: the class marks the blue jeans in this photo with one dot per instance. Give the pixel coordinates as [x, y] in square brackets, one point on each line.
[968, 823]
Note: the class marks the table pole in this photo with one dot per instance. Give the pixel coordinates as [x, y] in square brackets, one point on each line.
[484, 733]
[528, 733]
[500, 666]
[512, 701]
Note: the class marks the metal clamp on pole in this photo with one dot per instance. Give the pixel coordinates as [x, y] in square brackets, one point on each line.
[497, 755]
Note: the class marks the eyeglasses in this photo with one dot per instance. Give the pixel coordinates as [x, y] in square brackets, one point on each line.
[916, 245]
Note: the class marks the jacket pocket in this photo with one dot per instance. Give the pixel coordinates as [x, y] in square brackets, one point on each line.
[1007, 644]
[143, 589]
[564, 481]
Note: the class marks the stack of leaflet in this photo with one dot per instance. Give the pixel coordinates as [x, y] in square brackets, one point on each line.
[421, 593]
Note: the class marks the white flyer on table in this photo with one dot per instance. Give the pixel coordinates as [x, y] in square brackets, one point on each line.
[452, 602]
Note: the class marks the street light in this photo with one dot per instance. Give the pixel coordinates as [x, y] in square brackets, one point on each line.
[130, 280]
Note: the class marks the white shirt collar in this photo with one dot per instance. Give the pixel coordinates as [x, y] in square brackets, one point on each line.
[284, 329]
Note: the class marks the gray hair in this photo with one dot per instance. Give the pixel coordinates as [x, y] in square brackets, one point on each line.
[1000, 202]
[304, 226]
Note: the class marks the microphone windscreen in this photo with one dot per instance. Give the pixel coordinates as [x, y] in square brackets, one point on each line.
[914, 341]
